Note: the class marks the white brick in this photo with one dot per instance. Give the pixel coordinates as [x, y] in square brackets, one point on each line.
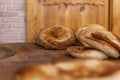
[6, 1]
[6, 25]
[0, 19]
[16, 8]
[13, 19]
[22, 25]
[8, 14]
[20, 1]
[0, 41]
[21, 13]
[3, 8]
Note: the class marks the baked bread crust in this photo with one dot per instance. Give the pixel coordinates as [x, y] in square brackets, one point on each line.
[71, 70]
[56, 37]
[108, 37]
[86, 52]
[89, 36]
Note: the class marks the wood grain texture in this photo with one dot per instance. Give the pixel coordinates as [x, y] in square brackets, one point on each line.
[32, 12]
[30, 54]
[116, 17]
[26, 55]
[69, 13]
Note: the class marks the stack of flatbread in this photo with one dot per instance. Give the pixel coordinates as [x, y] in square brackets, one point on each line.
[97, 42]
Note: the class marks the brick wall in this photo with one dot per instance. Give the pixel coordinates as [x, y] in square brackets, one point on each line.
[12, 21]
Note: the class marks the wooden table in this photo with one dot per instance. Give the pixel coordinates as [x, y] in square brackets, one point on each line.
[19, 55]
[23, 54]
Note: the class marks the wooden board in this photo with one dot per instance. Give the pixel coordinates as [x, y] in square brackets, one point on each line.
[26, 55]
[116, 17]
[69, 13]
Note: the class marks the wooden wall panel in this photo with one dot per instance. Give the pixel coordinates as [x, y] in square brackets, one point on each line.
[116, 17]
[69, 13]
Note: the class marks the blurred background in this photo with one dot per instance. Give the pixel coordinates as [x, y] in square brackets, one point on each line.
[12, 21]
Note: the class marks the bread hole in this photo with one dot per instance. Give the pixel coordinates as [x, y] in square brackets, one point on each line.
[6, 53]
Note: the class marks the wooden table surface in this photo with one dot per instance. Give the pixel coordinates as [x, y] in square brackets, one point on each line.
[15, 56]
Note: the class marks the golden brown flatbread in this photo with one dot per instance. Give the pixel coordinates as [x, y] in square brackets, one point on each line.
[71, 70]
[98, 37]
[56, 37]
[86, 52]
